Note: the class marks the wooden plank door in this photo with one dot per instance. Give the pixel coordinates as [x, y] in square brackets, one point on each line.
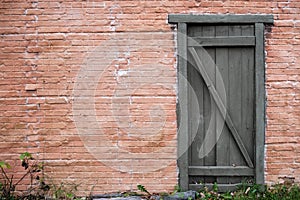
[222, 145]
[221, 92]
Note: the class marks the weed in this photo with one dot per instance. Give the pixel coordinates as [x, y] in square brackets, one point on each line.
[36, 187]
[143, 189]
[177, 188]
[64, 191]
[253, 192]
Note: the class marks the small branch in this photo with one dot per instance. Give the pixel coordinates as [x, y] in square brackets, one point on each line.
[5, 175]
[22, 178]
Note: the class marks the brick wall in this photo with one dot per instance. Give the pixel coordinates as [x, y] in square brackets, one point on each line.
[90, 88]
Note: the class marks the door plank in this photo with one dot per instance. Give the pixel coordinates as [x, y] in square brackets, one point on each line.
[220, 171]
[223, 143]
[248, 95]
[196, 116]
[209, 104]
[197, 88]
[221, 41]
[196, 94]
[235, 95]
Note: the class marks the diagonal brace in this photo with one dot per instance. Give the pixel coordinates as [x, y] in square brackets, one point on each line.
[221, 106]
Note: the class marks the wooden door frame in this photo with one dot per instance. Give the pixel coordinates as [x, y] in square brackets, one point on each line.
[182, 21]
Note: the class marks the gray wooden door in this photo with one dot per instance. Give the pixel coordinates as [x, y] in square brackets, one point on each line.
[222, 147]
[221, 93]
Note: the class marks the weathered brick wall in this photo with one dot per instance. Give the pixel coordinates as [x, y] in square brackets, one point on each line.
[90, 88]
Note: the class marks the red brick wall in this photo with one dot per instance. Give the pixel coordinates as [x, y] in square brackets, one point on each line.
[123, 54]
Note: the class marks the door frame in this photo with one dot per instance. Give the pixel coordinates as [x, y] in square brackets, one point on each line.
[182, 21]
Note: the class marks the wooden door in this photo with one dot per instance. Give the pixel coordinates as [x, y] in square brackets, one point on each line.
[221, 97]
[222, 147]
